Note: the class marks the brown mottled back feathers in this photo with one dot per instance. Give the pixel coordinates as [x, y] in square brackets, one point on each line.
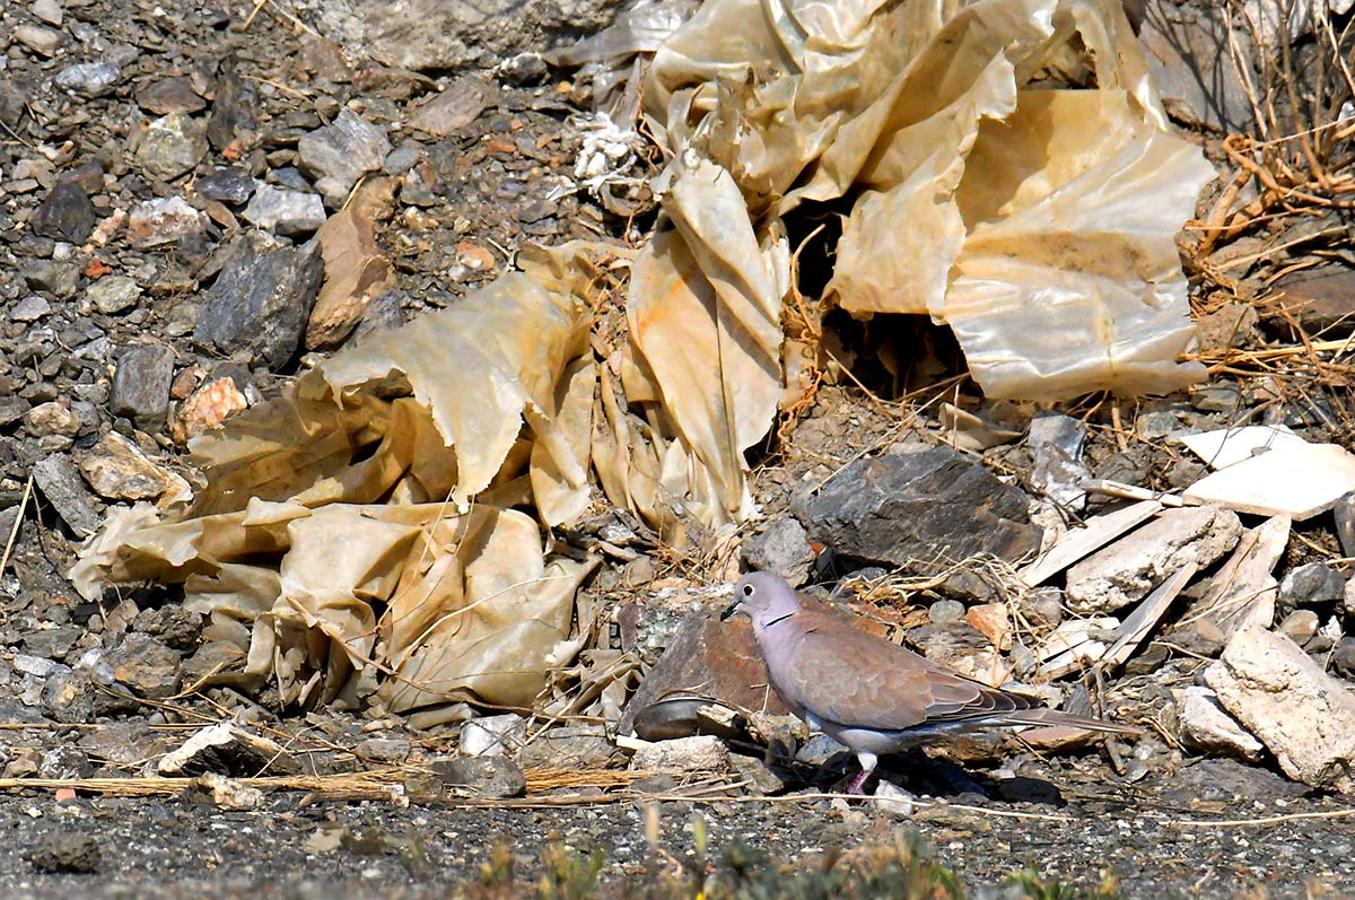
[843, 675]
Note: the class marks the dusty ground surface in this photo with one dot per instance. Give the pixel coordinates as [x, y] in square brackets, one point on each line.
[499, 174]
[173, 848]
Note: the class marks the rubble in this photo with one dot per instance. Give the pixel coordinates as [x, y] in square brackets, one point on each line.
[1305, 718]
[1205, 726]
[698, 753]
[909, 508]
[1126, 571]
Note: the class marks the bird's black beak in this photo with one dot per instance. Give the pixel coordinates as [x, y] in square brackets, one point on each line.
[729, 611]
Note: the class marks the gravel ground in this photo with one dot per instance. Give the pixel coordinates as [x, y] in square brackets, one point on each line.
[175, 847]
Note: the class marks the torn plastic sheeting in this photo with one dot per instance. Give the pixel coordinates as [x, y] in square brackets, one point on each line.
[472, 609]
[1038, 223]
[704, 314]
[355, 484]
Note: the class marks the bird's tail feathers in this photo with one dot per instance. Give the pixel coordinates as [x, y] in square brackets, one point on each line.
[1047, 716]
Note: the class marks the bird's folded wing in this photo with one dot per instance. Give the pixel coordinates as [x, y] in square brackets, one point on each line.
[846, 676]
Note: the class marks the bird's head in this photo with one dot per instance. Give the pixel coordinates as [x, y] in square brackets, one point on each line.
[765, 598]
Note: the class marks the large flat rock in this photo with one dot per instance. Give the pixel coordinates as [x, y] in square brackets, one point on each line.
[936, 505]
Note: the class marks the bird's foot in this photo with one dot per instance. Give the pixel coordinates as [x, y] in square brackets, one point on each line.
[856, 783]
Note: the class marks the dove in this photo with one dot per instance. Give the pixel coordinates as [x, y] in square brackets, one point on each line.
[869, 694]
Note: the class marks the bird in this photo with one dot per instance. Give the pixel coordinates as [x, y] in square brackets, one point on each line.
[867, 693]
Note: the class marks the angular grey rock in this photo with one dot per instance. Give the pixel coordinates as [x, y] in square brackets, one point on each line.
[66, 214]
[1205, 726]
[903, 508]
[341, 153]
[49, 11]
[171, 146]
[451, 34]
[1188, 54]
[90, 79]
[52, 643]
[1131, 567]
[1311, 584]
[30, 309]
[145, 665]
[67, 852]
[493, 735]
[170, 95]
[781, 547]
[1305, 717]
[229, 185]
[455, 108]
[1344, 513]
[232, 112]
[60, 483]
[288, 213]
[113, 294]
[571, 747]
[1056, 442]
[57, 278]
[383, 750]
[259, 305]
[482, 776]
[68, 697]
[141, 384]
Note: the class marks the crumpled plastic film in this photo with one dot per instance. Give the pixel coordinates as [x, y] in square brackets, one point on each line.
[335, 540]
[886, 106]
[1074, 280]
[704, 313]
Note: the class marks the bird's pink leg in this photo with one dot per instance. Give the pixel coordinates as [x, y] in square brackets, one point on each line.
[867, 761]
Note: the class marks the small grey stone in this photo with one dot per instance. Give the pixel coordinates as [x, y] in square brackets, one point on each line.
[62, 486]
[943, 611]
[1311, 584]
[233, 110]
[289, 213]
[113, 294]
[483, 776]
[89, 79]
[58, 278]
[341, 153]
[171, 95]
[1344, 513]
[141, 384]
[383, 750]
[67, 852]
[30, 309]
[145, 665]
[229, 185]
[40, 40]
[781, 547]
[1343, 659]
[818, 750]
[66, 214]
[52, 643]
[171, 146]
[48, 11]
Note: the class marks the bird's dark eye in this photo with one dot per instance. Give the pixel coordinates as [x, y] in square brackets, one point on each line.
[748, 590]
